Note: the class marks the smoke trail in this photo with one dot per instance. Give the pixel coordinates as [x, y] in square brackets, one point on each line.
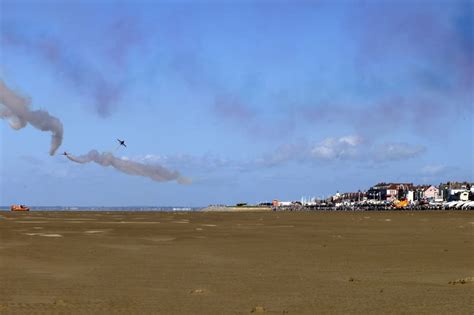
[155, 172]
[16, 110]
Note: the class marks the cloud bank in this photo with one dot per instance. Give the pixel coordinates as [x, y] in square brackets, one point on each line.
[102, 78]
[347, 148]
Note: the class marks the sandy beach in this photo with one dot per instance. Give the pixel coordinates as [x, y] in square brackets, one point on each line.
[237, 263]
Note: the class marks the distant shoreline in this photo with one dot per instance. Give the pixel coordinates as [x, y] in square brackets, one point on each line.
[112, 208]
[229, 209]
[236, 209]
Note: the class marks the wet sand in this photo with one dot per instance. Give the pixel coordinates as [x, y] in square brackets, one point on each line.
[236, 263]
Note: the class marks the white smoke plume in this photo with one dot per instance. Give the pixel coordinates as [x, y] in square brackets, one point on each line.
[155, 172]
[15, 109]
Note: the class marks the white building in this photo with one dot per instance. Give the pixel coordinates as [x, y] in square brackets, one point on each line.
[464, 195]
[410, 196]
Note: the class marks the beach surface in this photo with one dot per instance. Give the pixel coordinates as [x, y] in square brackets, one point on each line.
[237, 263]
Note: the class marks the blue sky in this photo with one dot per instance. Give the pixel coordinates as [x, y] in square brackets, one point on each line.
[252, 100]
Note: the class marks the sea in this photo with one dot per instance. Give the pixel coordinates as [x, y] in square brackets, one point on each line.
[131, 208]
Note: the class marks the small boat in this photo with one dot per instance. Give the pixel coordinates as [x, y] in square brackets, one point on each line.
[19, 208]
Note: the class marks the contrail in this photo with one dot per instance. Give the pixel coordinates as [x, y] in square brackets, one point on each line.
[16, 109]
[155, 172]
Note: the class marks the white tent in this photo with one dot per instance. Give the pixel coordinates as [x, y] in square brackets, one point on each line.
[460, 204]
[468, 205]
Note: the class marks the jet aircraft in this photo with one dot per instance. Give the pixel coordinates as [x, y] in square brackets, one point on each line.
[122, 142]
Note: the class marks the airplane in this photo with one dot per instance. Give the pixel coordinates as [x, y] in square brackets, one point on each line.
[122, 142]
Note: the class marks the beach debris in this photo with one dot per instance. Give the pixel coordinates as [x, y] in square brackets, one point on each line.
[462, 281]
[352, 279]
[258, 309]
[15, 109]
[197, 291]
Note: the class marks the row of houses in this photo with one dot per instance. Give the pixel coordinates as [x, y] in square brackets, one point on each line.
[390, 192]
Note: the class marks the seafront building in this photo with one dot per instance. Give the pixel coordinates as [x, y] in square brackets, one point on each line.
[390, 192]
[401, 194]
[452, 191]
[427, 192]
[449, 191]
[398, 191]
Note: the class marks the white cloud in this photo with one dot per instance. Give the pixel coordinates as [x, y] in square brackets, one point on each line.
[344, 148]
[347, 147]
[352, 140]
[350, 147]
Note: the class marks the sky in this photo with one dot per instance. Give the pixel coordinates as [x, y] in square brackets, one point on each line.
[237, 101]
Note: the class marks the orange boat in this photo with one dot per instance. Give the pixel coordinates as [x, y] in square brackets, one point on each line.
[19, 208]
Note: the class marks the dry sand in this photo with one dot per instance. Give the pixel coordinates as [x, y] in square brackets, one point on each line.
[237, 263]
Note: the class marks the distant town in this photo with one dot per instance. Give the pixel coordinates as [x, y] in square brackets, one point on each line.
[386, 196]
